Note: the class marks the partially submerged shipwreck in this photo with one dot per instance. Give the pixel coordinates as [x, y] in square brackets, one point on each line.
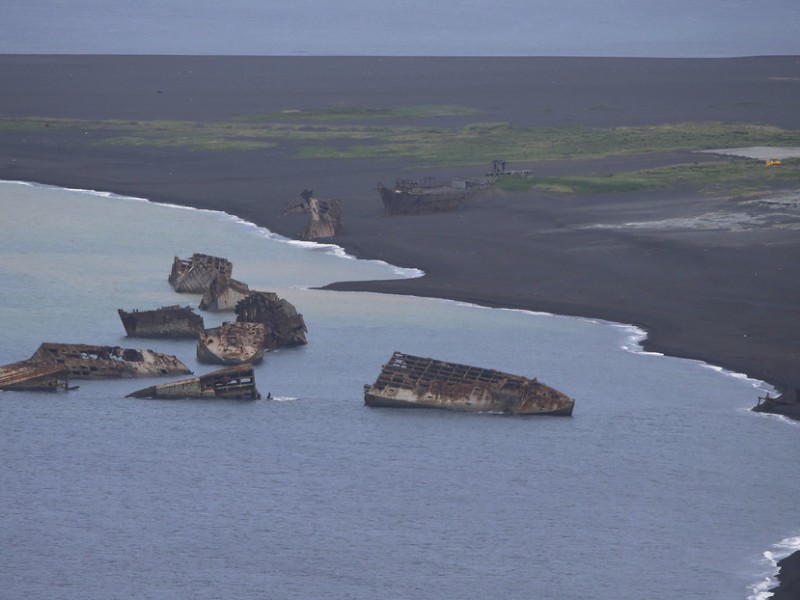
[787, 404]
[283, 325]
[52, 365]
[408, 381]
[324, 216]
[194, 275]
[25, 376]
[408, 197]
[231, 383]
[165, 322]
[223, 293]
[232, 344]
[84, 361]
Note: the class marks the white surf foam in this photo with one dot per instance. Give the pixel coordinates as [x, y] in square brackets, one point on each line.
[771, 557]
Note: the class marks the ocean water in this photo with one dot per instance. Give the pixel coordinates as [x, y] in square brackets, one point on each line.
[681, 28]
[662, 485]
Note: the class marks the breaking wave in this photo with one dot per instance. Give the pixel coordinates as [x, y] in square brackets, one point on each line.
[779, 551]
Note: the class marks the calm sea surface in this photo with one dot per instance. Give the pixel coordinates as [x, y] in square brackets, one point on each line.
[679, 28]
[662, 485]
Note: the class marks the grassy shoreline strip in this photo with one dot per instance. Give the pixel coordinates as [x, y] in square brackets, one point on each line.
[327, 136]
[737, 176]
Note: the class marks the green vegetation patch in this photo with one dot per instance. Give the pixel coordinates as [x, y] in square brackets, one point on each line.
[480, 143]
[354, 132]
[741, 176]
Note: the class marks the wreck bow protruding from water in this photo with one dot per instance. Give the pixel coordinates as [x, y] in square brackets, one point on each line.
[223, 293]
[193, 276]
[408, 381]
[165, 322]
[283, 325]
[231, 383]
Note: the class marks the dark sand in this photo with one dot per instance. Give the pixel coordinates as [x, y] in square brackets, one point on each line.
[789, 578]
[728, 295]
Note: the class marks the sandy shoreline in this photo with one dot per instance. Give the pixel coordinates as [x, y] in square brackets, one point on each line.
[709, 277]
[722, 293]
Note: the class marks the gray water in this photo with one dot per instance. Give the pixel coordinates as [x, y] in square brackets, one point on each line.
[680, 28]
[662, 484]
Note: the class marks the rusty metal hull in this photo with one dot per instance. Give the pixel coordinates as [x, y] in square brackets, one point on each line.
[83, 361]
[421, 201]
[232, 383]
[165, 322]
[27, 376]
[223, 294]
[324, 219]
[232, 344]
[283, 325]
[324, 216]
[408, 381]
[194, 275]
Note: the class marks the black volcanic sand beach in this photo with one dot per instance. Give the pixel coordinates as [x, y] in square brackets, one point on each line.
[727, 293]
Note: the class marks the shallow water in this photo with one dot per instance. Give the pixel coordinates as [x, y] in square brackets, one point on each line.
[662, 484]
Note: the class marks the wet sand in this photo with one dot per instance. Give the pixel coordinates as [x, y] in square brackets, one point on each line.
[789, 578]
[709, 276]
[725, 292]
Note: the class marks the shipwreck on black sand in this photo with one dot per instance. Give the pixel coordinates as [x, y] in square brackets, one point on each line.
[324, 216]
[408, 197]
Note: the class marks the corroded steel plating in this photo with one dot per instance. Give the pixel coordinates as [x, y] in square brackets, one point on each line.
[231, 383]
[412, 381]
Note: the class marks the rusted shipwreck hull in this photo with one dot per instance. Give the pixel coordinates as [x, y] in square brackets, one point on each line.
[410, 381]
[194, 275]
[165, 322]
[31, 377]
[83, 361]
[283, 325]
[232, 344]
[409, 198]
[223, 293]
[324, 216]
[231, 383]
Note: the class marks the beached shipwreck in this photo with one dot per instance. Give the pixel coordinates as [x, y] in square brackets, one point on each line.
[231, 383]
[324, 216]
[408, 381]
[408, 197]
[165, 322]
